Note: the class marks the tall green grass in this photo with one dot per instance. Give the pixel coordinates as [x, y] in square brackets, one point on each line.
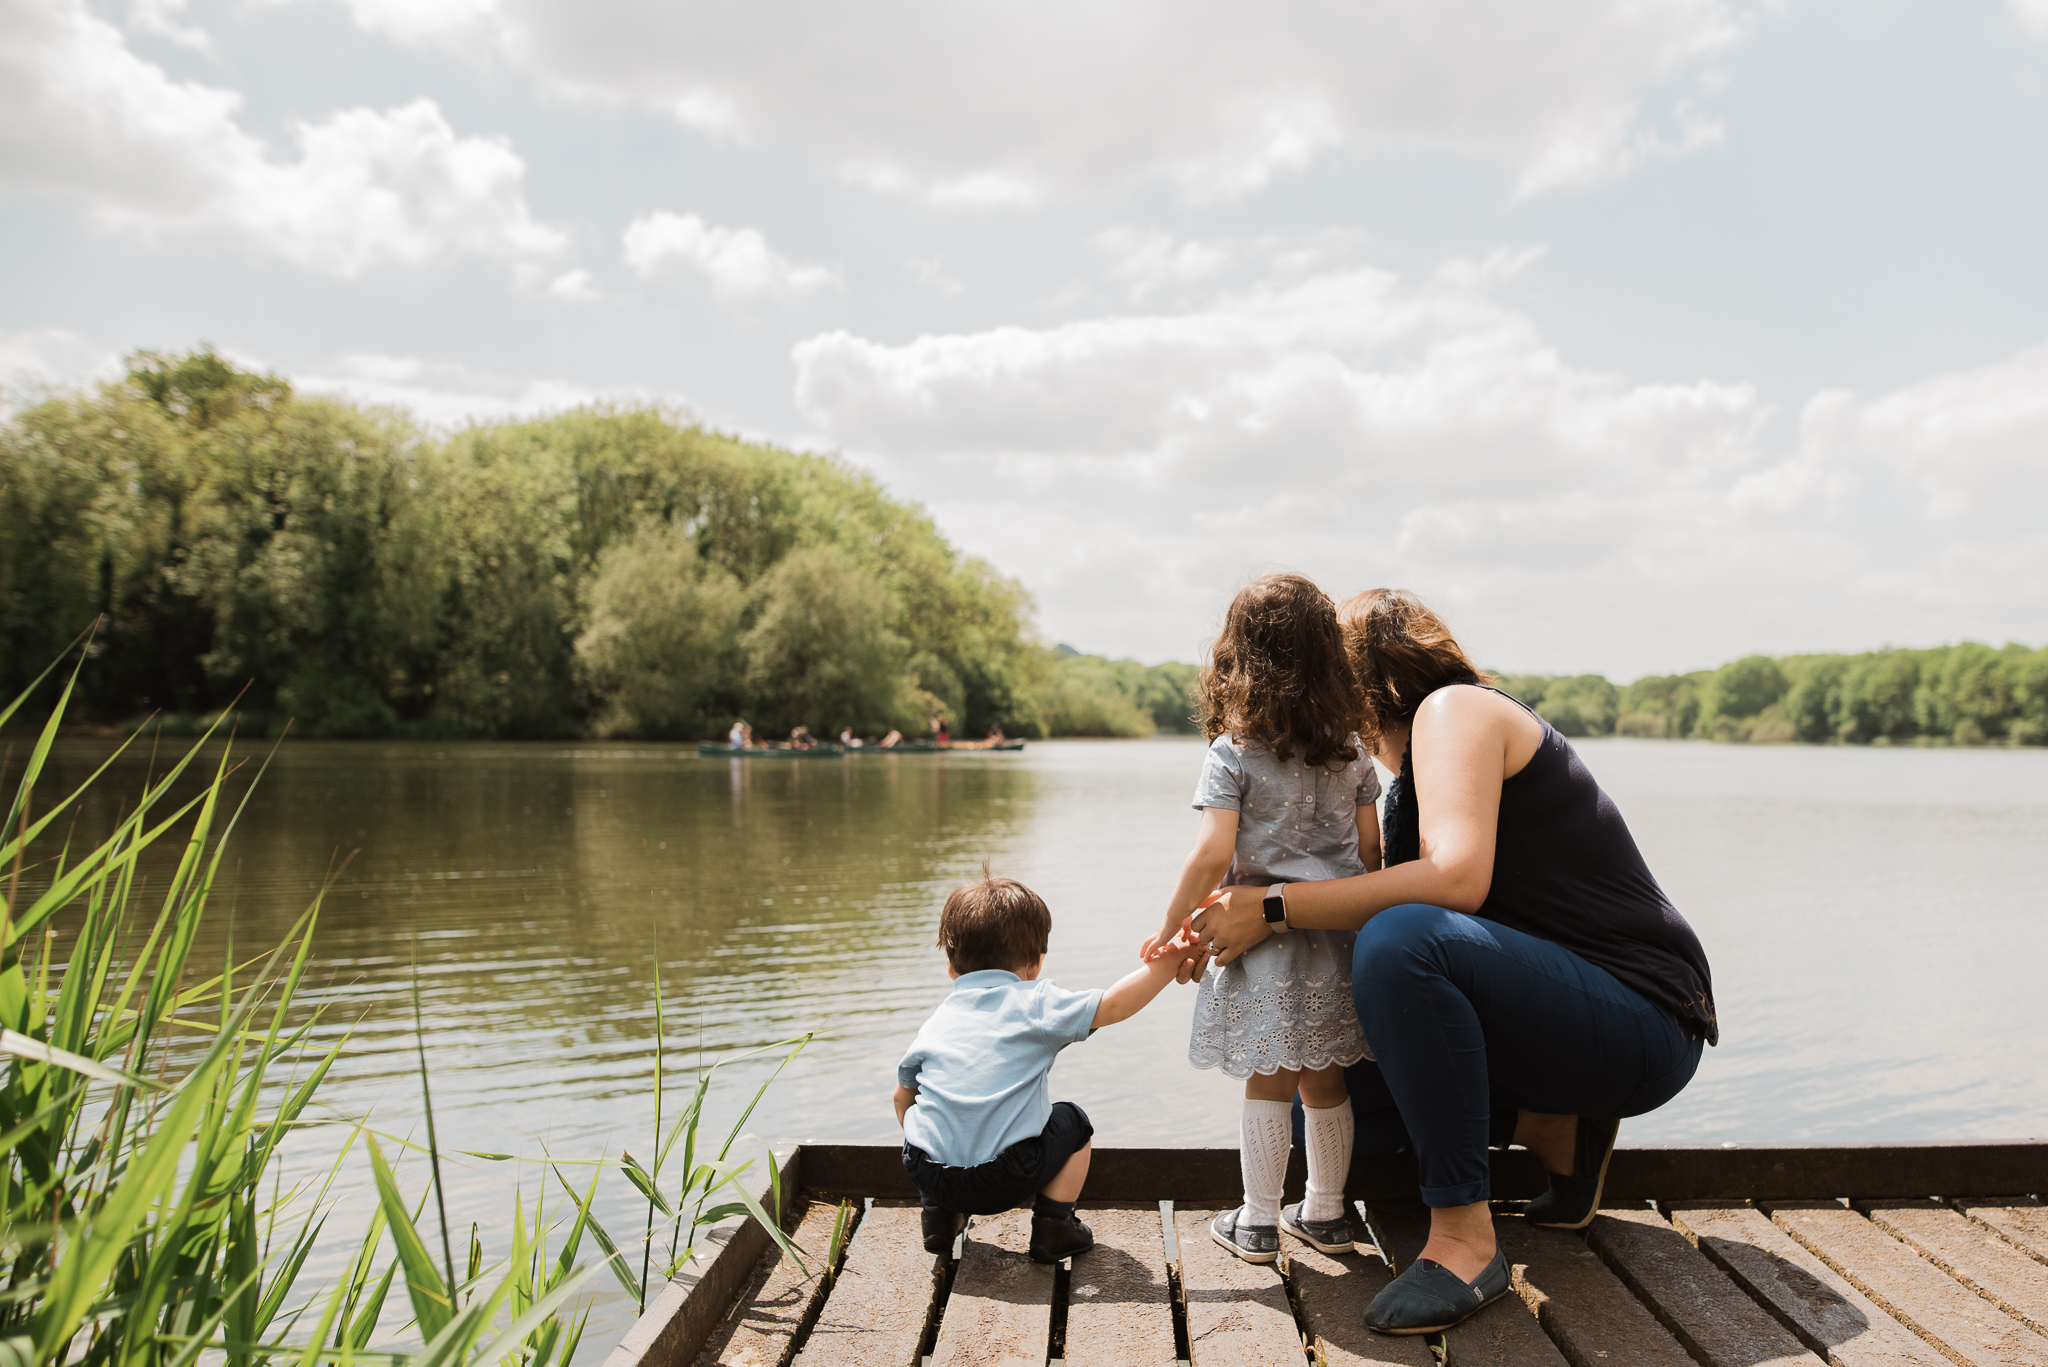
[144, 1217]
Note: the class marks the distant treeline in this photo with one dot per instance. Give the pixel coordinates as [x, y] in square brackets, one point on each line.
[1966, 694]
[608, 572]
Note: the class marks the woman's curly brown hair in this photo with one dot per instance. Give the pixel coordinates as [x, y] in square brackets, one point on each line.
[1278, 674]
[1401, 652]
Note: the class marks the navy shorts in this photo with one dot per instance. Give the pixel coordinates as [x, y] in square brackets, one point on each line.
[1008, 1180]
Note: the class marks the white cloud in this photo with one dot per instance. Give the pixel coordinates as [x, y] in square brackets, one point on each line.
[447, 394]
[82, 116]
[41, 360]
[736, 262]
[1146, 260]
[164, 19]
[2033, 16]
[1370, 429]
[992, 105]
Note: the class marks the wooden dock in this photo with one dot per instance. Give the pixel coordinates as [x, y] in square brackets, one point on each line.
[1850, 1256]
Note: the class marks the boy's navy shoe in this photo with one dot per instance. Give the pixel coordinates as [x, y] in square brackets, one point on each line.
[1324, 1236]
[1054, 1240]
[1428, 1297]
[1571, 1202]
[1253, 1243]
[941, 1228]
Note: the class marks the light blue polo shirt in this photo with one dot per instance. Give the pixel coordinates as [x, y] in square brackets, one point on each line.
[979, 1063]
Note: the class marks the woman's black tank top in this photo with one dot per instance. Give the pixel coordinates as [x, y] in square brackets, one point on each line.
[1566, 869]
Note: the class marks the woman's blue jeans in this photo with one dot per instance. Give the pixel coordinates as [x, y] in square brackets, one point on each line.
[1472, 1022]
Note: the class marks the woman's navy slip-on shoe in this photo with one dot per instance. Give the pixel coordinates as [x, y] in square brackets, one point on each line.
[1572, 1202]
[1427, 1298]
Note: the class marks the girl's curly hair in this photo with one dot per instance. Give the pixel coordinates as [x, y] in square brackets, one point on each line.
[1278, 674]
[1401, 652]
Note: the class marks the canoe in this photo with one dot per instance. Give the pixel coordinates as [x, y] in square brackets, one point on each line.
[822, 750]
[925, 747]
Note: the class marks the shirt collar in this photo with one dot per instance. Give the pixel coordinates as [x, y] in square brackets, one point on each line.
[985, 977]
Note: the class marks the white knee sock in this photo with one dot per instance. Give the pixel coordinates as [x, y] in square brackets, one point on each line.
[1327, 1131]
[1265, 1132]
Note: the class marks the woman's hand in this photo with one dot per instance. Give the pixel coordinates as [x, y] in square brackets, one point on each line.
[1232, 921]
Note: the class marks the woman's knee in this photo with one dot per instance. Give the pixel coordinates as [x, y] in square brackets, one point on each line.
[1391, 942]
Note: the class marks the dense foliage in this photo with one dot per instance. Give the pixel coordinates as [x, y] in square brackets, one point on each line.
[611, 571]
[1966, 694]
[1088, 695]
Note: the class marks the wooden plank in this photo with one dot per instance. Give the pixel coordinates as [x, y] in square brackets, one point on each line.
[1237, 1312]
[1333, 1294]
[2021, 1220]
[1119, 1302]
[1815, 1302]
[1715, 1320]
[1660, 1172]
[1000, 1311]
[881, 1300]
[1973, 1255]
[673, 1327]
[764, 1322]
[1499, 1336]
[1582, 1305]
[1913, 1291]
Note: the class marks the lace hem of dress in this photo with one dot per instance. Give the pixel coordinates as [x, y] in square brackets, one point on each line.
[1240, 1069]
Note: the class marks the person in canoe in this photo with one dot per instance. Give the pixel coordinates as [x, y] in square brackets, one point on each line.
[892, 740]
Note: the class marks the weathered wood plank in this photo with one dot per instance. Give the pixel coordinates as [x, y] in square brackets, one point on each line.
[1333, 1294]
[764, 1321]
[1580, 1303]
[1661, 1172]
[1499, 1336]
[1238, 1314]
[882, 1297]
[1000, 1311]
[1827, 1312]
[1912, 1290]
[1973, 1255]
[1119, 1303]
[2022, 1220]
[1715, 1320]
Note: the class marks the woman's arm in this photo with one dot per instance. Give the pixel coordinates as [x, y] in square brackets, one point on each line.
[1215, 842]
[1465, 741]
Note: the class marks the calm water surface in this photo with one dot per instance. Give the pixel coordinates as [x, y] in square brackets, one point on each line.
[1873, 918]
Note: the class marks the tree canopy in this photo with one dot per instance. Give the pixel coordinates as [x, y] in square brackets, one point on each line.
[611, 570]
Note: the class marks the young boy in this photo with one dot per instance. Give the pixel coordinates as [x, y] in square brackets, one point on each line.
[979, 1134]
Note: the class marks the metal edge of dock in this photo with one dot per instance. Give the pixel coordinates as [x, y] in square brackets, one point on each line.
[1675, 1258]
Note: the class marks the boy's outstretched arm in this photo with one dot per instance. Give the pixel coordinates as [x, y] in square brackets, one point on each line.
[1215, 842]
[905, 1098]
[1141, 985]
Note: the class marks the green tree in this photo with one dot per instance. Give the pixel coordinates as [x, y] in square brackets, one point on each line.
[820, 652]
[661, 635]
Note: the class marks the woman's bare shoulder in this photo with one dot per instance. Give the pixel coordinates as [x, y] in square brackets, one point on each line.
[1467, 715]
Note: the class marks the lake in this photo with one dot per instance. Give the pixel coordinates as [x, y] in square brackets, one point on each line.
[1873, 917]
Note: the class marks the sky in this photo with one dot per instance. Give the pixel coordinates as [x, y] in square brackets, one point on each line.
[1635, 335]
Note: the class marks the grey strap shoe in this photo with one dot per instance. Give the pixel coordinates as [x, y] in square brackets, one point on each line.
[1427, 1297]
[1324, 1236]
[1253, 1243]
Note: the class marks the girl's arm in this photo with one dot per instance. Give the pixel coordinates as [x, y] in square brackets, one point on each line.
[1215, 842]
[1464, 740]
[1369, 837]
[905, 1098]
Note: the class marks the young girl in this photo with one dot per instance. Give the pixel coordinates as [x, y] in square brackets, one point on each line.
[1286, 795]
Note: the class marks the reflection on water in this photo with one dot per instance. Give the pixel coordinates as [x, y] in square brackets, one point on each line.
[1872, 917]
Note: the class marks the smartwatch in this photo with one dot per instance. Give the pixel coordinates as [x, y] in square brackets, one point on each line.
[1276, 910]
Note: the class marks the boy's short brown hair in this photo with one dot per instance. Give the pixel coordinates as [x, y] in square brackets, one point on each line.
[995, 923]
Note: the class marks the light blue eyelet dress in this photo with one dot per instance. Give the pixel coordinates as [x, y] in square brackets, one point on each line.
[1287, 1002]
